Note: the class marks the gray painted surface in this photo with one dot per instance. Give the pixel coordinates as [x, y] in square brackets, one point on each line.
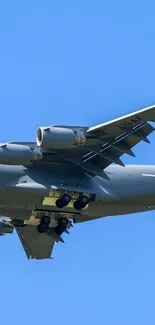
[128, 190]
[77, 160]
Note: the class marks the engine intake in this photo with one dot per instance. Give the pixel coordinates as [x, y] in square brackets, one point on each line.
[59, 138]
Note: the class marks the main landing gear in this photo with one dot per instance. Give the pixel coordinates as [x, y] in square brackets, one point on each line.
[65, 199]
[59, 229]
[44, 224]
[81, 203]
[61, 226]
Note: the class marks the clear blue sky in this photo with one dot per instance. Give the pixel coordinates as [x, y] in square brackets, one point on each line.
[79, 62]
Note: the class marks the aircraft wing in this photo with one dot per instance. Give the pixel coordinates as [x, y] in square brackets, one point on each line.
[107, 142]
[103, 144]
[37, 246]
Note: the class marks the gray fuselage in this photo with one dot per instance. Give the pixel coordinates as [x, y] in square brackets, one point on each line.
[122, 190]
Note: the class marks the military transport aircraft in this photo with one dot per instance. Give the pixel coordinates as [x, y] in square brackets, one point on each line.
[68, 176]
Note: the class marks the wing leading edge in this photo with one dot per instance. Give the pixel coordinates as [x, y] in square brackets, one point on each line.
[107, 142]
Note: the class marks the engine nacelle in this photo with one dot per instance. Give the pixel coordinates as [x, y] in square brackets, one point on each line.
[16, 154]
[59, 138]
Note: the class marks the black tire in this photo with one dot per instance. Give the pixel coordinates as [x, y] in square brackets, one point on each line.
[63, 221]
[65, 198]
[77, 205]
[45, 220]
[81, 203]
[58, 231]
[63, 201]
[58, 204]
[62, 225]
[41, 228]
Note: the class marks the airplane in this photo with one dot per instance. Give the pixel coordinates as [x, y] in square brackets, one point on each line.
[73, 174]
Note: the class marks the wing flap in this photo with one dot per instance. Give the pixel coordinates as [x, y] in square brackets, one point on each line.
[112, 150]
[107, 142]
[37, 246]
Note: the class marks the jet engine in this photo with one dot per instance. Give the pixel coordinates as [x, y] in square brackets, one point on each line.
[5, 227]
[16, 154]
[59, 137]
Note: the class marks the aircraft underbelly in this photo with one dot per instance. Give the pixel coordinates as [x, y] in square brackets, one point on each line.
[26, 190]
[22, 190]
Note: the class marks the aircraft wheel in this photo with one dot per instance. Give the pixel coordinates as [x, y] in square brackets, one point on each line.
[77, 205]
[64, 221]
[62, 225]
[81, 203]
[45, 220]
[63, 201]
[44, 224]
[58, 204]
[41, 228]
